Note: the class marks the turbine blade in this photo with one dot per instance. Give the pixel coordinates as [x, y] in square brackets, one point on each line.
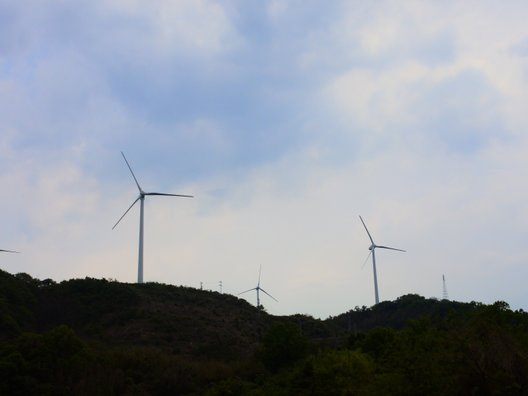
[268, 294]
[124, 214]
[246, 291]
[366, 229]
[260, 270]
[8, 251]
[170, 195]
[365, 262]
[390, 248]
[134, 176]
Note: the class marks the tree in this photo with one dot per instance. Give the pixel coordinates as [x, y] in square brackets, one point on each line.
[283, 345]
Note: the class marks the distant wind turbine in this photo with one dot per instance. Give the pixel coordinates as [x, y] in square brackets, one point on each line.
[141, 198]
[258, 289]
[372, 249]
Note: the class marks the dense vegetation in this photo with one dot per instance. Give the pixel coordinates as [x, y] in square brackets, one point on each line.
[99, 337]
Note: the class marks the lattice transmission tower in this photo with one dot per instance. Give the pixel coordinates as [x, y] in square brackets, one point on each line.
[445, 296]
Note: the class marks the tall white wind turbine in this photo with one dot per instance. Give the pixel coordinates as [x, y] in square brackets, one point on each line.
[258, 289]
[141, 199]
[372, 249]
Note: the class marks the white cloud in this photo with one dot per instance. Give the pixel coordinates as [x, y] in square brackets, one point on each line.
[389, 88]
[374, 99]
[199, 27]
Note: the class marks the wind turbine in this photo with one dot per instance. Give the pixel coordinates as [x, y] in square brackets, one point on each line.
[372, 249]
[141, 199]
[258, 289]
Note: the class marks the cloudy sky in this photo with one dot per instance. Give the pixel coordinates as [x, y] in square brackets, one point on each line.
[287, 120]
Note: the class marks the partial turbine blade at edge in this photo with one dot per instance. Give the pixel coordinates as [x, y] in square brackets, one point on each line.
[134, 176]
[124, 214]
[391, 248]
[365, 262]
[246, 291]
[366, 229]
[170, 195]
[268, 294]
[8, 251]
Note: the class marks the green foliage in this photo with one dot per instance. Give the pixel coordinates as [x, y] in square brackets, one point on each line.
[235, 386]
[89, 336]
[334, 372]
[83, 301]
[16, 303]
[283, 345]
[312, 328]
[494, 350]
[379, 342]
[397, 314]
[49, 363]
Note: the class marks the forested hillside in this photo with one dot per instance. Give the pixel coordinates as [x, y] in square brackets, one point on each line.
[89, 336]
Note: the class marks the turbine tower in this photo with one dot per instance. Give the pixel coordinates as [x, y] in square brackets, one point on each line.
[258, 289]
[141, 199]
[372, 249]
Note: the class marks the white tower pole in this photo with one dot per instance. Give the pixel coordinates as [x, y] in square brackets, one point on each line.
[140, 253]
[376, 295]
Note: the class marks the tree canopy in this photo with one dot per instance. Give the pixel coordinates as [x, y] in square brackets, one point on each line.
[95, 336]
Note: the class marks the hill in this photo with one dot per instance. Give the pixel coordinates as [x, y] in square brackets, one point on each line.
[91, 336]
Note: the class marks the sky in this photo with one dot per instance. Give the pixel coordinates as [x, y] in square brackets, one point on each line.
[286, 120]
